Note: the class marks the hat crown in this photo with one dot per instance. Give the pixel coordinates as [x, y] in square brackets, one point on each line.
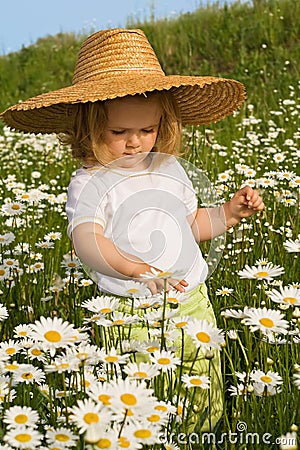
[115, 50]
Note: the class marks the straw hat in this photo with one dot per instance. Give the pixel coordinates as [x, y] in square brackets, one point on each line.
[117, 62]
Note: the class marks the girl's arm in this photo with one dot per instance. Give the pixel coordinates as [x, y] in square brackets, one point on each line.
[103, 256]
[210, 222]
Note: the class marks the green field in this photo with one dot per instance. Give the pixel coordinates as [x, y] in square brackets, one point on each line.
[254, 285]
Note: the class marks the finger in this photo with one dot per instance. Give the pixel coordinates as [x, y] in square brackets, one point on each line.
[152, 287]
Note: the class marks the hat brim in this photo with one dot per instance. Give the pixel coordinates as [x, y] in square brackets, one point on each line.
[201, 100]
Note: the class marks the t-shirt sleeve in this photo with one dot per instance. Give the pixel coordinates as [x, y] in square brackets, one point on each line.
[189, 195]
[86, 201]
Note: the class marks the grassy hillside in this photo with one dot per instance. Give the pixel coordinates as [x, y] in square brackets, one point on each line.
[256, 44]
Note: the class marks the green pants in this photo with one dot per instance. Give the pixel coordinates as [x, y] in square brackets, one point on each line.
[207, 401]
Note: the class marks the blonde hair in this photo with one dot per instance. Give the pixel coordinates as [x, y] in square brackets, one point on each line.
[90, 120]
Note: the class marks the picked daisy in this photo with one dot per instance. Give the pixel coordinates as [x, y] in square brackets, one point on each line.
[261, 272]
[196, 381]
[53, 333]
[268, 321]
[205, 335]
[165, 360]
[287, 295]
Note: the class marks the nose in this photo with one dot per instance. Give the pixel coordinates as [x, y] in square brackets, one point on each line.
[133, 141]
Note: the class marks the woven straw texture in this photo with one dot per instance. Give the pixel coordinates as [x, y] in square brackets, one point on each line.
[115, 63]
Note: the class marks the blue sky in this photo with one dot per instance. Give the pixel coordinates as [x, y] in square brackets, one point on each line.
[22, 22]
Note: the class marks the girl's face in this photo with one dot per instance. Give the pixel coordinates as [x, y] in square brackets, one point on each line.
[132, 128]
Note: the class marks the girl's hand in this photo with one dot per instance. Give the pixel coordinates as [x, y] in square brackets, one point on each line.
[244, 203]
[157, 285]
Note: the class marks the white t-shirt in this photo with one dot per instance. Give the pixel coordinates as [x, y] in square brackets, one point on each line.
[144, 213]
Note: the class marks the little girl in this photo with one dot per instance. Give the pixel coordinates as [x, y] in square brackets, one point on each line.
[131, 207]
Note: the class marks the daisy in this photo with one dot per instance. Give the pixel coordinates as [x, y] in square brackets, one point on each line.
[149, 346]
[135, 289]
[287, 295]
[112, 357]
[84, 352]
[144, 433]
[102, 439]
[87, 413]
[45, 244]
[101, 304]
[196, 381]
[4, 272]
[22, 331]
[205, 335]
[141, 371]
[292, 246]
[13, 208]
[165, 360]
[3, 312]
[52, 236]
[23, 438]
[17, 416]
[266, 320]
[127, 395]
[7, 238]
[9, 347]
[261, 272]
[268, 379]
[61, 436]
[297, 380]
[181, 322]
[174, 298]
[52, 333]
[265, 390]
[99, 392]
[70, 262]
[147, 302]
[120, 319]
[28, 374]
[224, 291]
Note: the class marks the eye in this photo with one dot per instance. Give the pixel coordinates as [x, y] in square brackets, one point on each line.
[117, 132]
[148, 130]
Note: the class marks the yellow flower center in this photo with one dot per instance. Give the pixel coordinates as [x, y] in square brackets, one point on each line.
[10, 350]
[172, 300]
[161, 408]
[164, 361]
[105, 399]
[105, 310]
[111, 359]
[91, 418]
[261, 274]
[21, 418]
[164, 274]
[15, 207]
[140, 374]
[196, 381]
[119, 322]
[133, 290]
[23, 437]
[36, 352]
[266, 379]
[154, 418]
[203, 337]
[181, 324]
[142, 434]
[2, 272]
[152, 349]
[71, 264]
[62, 437]
[12, 366]
[123, 442]
[27, 375]
[103, 443]
[267, 322]
[290, 300]
[52, 336]
[129, 399]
